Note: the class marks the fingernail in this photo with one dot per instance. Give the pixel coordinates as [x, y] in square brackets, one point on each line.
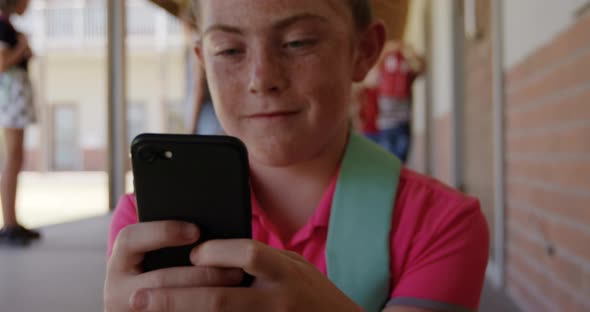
[191, 231]
[140, 301]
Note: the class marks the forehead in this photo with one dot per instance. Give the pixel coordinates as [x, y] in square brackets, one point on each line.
[252, 14]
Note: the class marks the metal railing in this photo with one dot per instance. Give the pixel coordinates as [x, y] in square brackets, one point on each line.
[79, 24]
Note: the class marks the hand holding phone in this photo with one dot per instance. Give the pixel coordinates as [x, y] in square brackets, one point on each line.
[203, 180]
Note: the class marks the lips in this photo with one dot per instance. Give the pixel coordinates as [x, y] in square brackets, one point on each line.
[273, 114]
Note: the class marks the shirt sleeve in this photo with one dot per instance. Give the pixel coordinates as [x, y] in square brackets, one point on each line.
[125, 214]
[446, 264]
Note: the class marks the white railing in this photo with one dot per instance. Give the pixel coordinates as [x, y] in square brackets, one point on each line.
[78, 24]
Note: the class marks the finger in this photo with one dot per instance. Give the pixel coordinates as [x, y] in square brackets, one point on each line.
[135, 240]
[191, 277]
[253, 257]
[294, 256]
[200, 299]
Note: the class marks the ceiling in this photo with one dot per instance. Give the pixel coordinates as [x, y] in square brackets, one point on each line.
[392, 12]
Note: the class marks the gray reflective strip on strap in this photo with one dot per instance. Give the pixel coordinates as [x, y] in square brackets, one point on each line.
[427, 304]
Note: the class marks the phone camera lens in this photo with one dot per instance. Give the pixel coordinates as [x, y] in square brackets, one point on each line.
[147, 154]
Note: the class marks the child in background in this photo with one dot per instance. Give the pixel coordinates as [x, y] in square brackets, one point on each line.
[16, 113]
[398, 69]
[367, 99]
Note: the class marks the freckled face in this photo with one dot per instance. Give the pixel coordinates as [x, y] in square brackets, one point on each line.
[280, 73]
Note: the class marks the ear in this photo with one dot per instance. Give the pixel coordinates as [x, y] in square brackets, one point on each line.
[199, 52]
[369, 47]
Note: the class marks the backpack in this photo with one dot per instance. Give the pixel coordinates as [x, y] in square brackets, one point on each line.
[358, 244]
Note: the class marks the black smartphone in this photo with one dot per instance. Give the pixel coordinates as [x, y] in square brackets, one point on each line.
[199, 179]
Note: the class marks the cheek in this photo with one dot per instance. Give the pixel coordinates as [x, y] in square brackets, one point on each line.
[327, 84]
[225, 87]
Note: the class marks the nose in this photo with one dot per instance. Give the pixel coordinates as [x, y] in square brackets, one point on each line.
[267, 73]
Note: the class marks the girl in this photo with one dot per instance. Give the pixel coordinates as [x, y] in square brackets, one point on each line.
[16, 113]
[337, 223]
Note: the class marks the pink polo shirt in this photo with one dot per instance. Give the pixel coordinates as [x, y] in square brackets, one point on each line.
[439, 242]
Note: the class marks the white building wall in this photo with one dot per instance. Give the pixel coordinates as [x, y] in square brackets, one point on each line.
[530, 24]
[81, 80]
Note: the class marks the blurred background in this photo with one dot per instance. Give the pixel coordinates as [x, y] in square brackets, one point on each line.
[501, 112]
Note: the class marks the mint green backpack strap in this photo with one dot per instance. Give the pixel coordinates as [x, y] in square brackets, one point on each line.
[358, 246]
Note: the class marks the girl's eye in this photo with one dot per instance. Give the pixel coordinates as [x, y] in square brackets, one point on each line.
[229, 52]
[296, 44]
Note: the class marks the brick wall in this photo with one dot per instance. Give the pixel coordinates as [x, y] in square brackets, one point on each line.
[478, 149]
[92, 160]
[417, 156]
[95, 160]
[548, 174]
[32, 159]
[442, 148]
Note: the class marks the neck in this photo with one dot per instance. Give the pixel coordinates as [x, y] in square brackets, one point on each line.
[289, 195]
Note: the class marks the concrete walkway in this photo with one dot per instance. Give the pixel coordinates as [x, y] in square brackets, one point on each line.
[62, 273]
[59, 197]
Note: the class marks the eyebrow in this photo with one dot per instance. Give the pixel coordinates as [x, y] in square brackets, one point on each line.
[298, 18]
[223, 28]
[281, 24]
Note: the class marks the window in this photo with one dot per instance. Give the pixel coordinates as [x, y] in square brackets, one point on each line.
[176, 117]
[66, 147]
[136, 120]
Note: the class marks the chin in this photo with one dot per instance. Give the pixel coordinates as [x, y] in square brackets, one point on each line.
[273, 160]
[278, 155]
